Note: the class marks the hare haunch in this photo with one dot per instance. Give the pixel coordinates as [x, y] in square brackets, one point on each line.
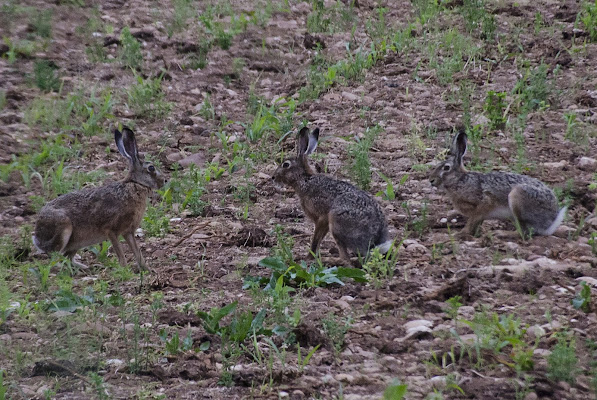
[89, 216]
[354, 218]
[496, 195]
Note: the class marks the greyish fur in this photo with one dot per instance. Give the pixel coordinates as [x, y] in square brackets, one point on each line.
[89, 216]
[496, 195]
[354, 218]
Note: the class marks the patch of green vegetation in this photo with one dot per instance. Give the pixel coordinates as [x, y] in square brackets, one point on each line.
[426, 10]
[562, 362]
[130, 53]
[301, 274]
[588, 16]
[146, 98]
[2, 99]
[494, 107]
[78, 113]
[380, 267]
[181, 12]
[582, 301]
[42, 23]
[360, 166]
[533, 89]
[338, 18]
[449, 52]
[335, 329]
[477, 20]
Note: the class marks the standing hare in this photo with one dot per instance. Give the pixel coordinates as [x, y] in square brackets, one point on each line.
[352, 215]
[496, 195]
[89, 216]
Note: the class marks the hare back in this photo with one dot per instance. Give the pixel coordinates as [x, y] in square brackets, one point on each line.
[95, 212]
[320, 193]
[474, 188]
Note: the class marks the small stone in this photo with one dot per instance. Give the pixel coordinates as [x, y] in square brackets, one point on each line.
[346, 378]
[589, 280]
[535, 332]
[283, 395]
[196, 159]
[587, 164]
[350, 96]
[531, 396]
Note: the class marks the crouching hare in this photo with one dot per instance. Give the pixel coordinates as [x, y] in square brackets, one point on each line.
[89, 216]
[496, 195]
[354, 218]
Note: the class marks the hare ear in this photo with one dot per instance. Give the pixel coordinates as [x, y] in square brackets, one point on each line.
[458, 149]
[120, 145]
[130, 144]
[303, 142]
[313, 139]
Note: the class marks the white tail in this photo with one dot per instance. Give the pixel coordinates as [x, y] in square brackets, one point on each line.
[385, 246]
[554, 225]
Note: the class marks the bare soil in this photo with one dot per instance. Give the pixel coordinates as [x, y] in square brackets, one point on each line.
[201, 262]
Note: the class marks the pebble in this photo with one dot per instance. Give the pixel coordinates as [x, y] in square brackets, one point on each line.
[346, 378]
[587, 164]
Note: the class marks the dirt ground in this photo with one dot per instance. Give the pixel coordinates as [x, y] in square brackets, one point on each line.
[516, 314]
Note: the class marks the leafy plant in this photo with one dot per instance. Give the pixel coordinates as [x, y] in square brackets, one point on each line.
[389, 193]
[174, 345]
[494, 107]
[336, 328]
[239, 328]
[2, 99]
[130, 53]
[303, 275]
[3, 389]
[454, 305]
[44, 76]
[395, 391]
[147, 99]
[360, 166]
[42, 23]
[562, 362]
[380, 267]
[582, 301]
[588, 17]
[533, 89]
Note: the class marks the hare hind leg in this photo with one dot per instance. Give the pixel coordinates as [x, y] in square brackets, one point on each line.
[117, 248]
[533, 211]
[53, 234]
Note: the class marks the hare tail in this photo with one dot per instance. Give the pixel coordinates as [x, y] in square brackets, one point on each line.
[385, 246]
[554, 225]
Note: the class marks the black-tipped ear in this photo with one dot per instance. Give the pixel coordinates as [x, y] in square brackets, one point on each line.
[120, 144]
[303, 142]
[458, 149]
[130, 144]
[313, 139]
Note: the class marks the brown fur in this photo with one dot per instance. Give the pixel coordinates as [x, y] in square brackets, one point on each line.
[354, 218]
[89, 216]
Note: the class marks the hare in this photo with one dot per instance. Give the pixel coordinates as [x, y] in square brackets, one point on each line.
[352, 215]
[89, 216]
[496, 195]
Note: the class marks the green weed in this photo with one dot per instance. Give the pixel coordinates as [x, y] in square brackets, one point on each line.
[395, 391]
[44, 76]
[146, 98]
[588, 16]
[494, 107]
[42, 23]
[334, 19]
[360, 166]
[582, 301]
[380, 267]
[2, 99]
[178, 22]
[533, 89]
[335, 329]
[562, 362]
[130, 53]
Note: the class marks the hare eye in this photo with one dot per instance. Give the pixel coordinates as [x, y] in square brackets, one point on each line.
[446, 168]
[151, 168]
[286, 164]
